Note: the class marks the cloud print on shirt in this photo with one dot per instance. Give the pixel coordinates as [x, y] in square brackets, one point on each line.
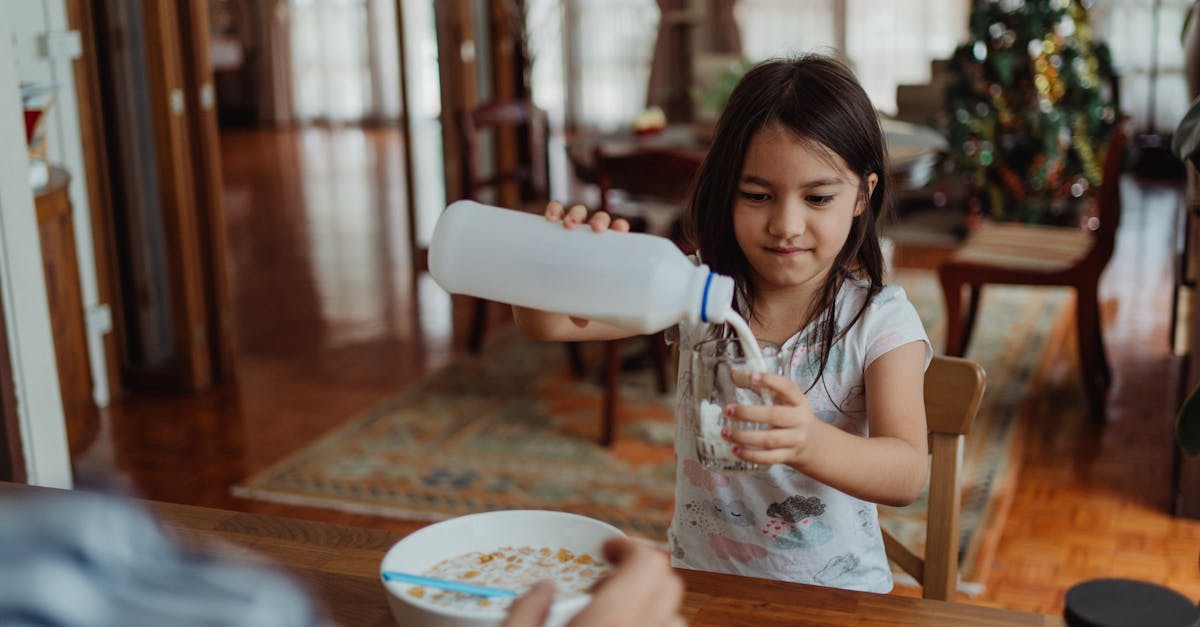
[796, 508]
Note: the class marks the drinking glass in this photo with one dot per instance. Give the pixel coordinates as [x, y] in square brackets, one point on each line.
[713, 362]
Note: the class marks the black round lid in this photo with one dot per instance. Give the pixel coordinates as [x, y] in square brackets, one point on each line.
[1128, 603]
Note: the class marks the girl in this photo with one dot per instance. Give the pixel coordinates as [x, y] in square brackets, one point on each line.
[787, 203]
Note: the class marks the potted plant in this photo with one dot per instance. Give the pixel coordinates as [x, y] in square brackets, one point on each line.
[1186, 141]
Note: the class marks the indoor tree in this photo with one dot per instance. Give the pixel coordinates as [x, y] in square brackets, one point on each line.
[1031, 107]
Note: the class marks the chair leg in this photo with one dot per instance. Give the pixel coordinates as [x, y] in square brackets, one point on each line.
[940, 580]
[658, 351]
[1092, 358]
[608, 410]
[1102, 354]
[952, 297]
[575, 358]
[969, 321]
[478, 324]
[1105, 366]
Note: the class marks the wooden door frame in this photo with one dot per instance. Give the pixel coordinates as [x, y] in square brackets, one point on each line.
[33, 429]
[96, 172]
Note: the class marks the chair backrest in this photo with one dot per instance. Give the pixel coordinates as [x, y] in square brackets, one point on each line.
[1109, 201]
[648, 172]
[653, 183]
[516, 124]
[953, 390]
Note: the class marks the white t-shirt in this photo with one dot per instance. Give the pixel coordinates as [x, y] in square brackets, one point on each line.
[781, 524]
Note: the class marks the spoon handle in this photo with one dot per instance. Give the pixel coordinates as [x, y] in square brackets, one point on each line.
[446, 584]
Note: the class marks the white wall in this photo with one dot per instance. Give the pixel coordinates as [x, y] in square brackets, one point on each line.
[43, 55]
[23, 291]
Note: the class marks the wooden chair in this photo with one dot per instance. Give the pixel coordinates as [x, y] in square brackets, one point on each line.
[953, 390]
[518, 129]
[647, 182]
[653, 184]
[1024, 254]
[521, 174]
[516, 178]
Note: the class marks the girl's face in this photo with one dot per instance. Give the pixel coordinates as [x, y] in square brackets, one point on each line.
[793, 209]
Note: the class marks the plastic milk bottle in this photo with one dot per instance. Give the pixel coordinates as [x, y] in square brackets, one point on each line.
[637, 281]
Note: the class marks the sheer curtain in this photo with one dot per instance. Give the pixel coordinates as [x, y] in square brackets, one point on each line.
[1144, 36]
[892, 43]
[609, 44]
[590, 69]
[887, 43]
[771, 28]
[609, 47]
[345, 62]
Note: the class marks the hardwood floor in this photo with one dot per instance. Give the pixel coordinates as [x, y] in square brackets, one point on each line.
[330, 323]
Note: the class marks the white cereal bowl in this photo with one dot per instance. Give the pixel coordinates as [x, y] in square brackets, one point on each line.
[419, 551]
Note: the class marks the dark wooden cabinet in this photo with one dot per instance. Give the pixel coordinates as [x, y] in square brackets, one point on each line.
[65, 301]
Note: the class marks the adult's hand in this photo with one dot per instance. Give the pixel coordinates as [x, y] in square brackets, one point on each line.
[642, 590]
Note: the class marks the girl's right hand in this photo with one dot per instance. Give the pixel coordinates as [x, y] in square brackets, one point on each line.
[578, 214]
[600, 221]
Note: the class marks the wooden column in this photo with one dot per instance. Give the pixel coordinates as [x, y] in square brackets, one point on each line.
[506, 30]
[419, 260]
[456, 54]
[210, 208]
[165, 81]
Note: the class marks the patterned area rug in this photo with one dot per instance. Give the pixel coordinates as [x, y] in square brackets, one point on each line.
[513, 429]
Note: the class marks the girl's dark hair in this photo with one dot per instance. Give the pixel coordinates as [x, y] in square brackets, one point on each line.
[818, 99]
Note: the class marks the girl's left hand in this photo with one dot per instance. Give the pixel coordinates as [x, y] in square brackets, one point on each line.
[790, 418]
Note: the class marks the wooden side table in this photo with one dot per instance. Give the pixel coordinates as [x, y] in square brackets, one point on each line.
[65, 301]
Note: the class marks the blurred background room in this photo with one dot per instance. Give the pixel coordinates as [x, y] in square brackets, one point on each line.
[219, 277]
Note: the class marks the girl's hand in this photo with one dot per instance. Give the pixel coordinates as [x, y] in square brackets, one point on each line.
[790, 419]
[600, 221]
[576, 215]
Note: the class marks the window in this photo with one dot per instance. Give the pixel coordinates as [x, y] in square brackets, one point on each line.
[1144, 36]
[344, 59]
[602, 49]
[887, 43]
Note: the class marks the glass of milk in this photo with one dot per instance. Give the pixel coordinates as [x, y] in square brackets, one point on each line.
[712, 363]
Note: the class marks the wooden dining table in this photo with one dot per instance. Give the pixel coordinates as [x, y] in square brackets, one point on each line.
[913, 150]
[340, 566]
